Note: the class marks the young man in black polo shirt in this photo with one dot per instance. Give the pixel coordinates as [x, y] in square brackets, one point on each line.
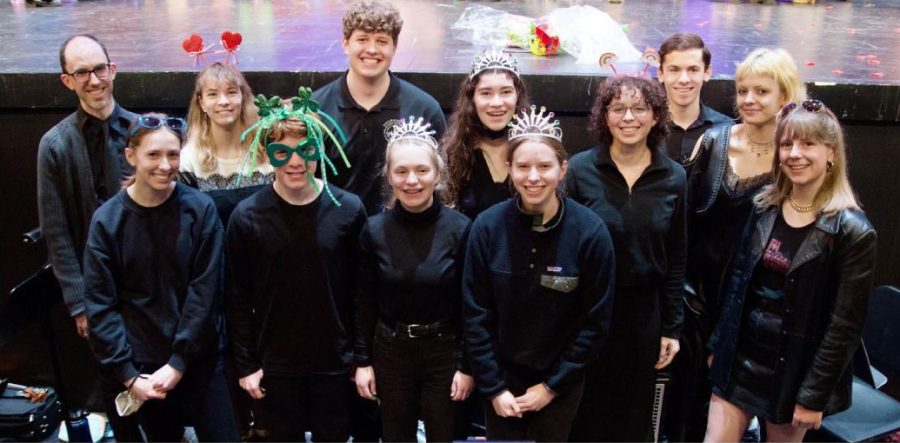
[368, 97]
[684, 68]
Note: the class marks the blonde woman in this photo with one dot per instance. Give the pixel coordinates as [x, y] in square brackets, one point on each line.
[796, 297]
[214, 159]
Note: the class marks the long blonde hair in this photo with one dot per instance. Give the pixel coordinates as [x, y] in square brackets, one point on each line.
[199, 132]
[822, 125]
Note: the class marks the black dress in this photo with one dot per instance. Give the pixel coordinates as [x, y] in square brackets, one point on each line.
[759, 343]
[482, 192]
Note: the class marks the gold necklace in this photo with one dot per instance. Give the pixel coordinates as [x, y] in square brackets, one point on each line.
[798, 208]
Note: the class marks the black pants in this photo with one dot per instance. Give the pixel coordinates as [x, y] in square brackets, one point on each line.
[413, 378]
[320, 403]
[553, 423]
[687, 403]
[201, 399]
[617, 405]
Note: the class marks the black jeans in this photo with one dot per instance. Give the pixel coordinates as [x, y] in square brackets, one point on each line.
[320, 403]
[201, 399]
[413, 377]
[552, 423]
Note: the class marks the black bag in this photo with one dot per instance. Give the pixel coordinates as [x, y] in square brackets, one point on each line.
[20, 419]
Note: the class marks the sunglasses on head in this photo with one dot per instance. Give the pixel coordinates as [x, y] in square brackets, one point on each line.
[809, 105]
[149, 122]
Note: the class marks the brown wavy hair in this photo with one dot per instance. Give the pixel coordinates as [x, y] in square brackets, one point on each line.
[200, 127]
[653, 95]
[458, 144]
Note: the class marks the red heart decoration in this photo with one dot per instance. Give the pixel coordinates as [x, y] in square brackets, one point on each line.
[194, 43]
[231, 40]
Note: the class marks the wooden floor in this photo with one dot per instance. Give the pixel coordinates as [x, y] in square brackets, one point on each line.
[854, 42]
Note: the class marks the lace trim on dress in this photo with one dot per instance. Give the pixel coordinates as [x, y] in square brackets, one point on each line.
[216, 181]
[738, 186]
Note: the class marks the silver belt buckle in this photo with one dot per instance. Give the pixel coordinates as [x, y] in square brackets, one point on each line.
[409, 330]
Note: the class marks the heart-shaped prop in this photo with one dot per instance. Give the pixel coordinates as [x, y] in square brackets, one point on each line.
[231, 40]
[192, 44]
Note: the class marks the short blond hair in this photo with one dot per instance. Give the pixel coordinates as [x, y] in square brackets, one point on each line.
[777, 64]
[373, 16]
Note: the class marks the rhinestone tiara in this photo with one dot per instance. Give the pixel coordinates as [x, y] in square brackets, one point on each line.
[534, 123]
[493, 59]
[411, 129]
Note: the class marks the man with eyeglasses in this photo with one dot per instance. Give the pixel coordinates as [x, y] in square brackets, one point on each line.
[80, 165]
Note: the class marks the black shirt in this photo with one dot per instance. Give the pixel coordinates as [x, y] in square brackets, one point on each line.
[647, 223]
[365, 131]
[153, 282]
[785, 241]
[482, 192]
[681, 142]
[290, 284]
[410, 270]
[96, 135]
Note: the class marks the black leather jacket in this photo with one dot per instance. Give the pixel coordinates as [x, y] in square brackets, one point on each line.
[826, 296]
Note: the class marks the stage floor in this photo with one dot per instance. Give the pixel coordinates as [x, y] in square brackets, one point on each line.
[856, 42]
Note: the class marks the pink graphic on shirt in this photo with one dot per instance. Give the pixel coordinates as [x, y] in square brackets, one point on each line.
[774, 259]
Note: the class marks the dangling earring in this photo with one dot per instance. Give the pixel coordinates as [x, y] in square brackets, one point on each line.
[828, 166]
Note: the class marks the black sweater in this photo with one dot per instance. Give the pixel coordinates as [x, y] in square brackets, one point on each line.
[153, 280]
[291, 283]
[410, 269]
[647, 224]
[537, 304]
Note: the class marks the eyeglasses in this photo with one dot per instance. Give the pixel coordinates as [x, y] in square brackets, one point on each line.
[149, 122]
[809, 105]
[84, 75]
[636, 110]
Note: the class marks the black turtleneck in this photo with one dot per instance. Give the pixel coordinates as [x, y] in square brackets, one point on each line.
[410, 268]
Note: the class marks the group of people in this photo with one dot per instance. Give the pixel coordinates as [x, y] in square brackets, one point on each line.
[429, 266]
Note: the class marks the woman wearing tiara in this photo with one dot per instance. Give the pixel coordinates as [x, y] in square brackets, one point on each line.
[476, 144]
[408, 343]
[796, 295]
[215, 159]
[537, 286]
[640, 194]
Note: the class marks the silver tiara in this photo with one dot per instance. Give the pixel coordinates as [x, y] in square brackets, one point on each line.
[411, 129]
[534, 123]
[493, 59]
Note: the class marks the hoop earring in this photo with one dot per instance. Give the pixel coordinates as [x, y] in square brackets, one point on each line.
[828, 166]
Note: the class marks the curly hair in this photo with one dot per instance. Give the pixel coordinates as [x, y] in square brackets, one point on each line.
[373, 16]
[199, 132]
[652, 94]
[459, 141]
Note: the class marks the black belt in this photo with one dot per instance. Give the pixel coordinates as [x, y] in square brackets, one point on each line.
[419, 330]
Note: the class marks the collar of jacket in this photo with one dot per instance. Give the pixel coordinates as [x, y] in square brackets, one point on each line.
[826, 225]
